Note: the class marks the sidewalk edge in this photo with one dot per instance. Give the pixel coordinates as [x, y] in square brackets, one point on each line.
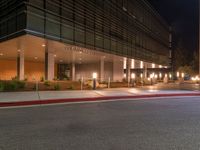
[74, 100]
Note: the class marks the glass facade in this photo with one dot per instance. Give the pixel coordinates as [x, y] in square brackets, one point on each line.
[129, 28]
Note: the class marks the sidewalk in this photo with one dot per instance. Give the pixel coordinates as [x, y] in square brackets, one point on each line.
[49, 97]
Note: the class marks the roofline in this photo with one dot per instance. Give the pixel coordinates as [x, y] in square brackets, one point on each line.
[155, 12]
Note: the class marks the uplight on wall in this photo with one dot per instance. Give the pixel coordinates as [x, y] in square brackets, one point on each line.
[160, 75]
[178, 74]
[183, 75]
[141, 64]
[170, 76]
[133, 76]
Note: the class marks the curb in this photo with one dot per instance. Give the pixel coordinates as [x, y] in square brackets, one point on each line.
[75, 100]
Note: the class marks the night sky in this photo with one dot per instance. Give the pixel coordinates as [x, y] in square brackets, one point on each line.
[183, 16]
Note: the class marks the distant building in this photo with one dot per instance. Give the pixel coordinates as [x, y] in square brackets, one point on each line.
[71, 39]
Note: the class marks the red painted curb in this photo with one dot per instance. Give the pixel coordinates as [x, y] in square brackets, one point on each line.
[69, 100]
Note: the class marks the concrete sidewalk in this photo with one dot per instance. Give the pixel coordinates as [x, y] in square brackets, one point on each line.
[49, 95]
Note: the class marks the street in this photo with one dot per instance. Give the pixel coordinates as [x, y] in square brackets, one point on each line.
[151, 124]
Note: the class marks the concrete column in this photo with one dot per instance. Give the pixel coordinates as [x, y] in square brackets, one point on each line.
[128, 69]
[73, 71]
[73, 67]
[49, 66]
[20, 65]
[145, 70]
[118, 69]
[102, 69]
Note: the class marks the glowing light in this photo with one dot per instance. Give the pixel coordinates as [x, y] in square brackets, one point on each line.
[153, 65]
[160, 75]
[141, 64]
[124, 63]
[183, 75]
[132, 63]
[170, 76]
[178, 74]
[94, 75]
[124, 75]
[133, 75]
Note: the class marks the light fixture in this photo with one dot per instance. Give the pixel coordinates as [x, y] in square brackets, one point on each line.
[183, 75]
[178, 74]
[19, 50]
[43, 45]
[55, 55]
[153, 65]
[132, 63]
[35, 57]
[124, 75]
[94, 75]
[170, 75]
[160, 75]
[133, 76]
[141, 75]
[1, 54]
[141, 64]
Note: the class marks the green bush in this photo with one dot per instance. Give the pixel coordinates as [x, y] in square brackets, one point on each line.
[72, 87]
[12, 85]
[47, 83]
[42, 79]
[57, 87]
[1, 87]
[20, 84]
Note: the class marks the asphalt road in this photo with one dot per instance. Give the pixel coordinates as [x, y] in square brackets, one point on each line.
[157, 124]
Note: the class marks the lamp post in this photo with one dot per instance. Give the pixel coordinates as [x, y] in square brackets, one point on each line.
[94, 76]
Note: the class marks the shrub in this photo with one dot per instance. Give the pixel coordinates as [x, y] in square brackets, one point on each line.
[20, 84]
[71, 87]
[42, 79]
[47, 83]
[57, 87]
[1, 86]
[10, 86]
[55, 78]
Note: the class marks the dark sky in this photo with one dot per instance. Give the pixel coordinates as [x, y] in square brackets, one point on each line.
[183, 16]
